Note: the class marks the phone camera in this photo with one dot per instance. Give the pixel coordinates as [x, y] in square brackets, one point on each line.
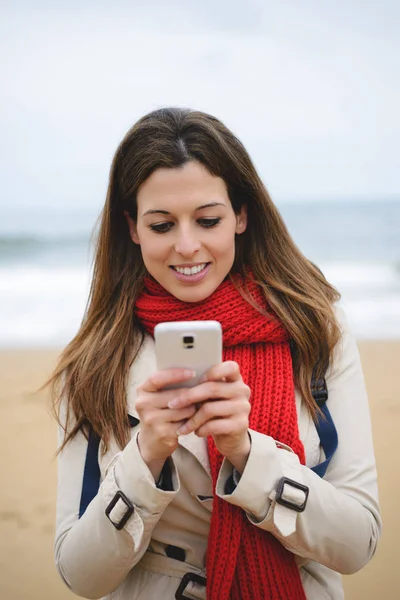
[188, 341]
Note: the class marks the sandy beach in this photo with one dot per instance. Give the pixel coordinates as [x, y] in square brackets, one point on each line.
[27, 497]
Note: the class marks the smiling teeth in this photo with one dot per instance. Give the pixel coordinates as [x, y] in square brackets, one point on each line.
[190, 270]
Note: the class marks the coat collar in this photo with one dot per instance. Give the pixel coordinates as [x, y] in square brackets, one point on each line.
[142, 367]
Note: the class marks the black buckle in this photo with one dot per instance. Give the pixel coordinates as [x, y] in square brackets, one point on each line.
[187, 578]
[319, 391]
[129, 509]
[288, 503]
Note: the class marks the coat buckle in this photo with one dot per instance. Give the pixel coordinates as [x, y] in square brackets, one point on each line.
[186, 579]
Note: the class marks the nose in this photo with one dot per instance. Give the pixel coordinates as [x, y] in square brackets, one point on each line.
[187, 242]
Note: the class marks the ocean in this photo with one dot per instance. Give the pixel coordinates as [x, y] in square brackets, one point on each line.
[45, 266]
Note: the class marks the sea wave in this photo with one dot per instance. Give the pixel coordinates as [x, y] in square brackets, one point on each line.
[22, 250]
[41, 306]
[44, 305]
[359, 275]
[35, 241]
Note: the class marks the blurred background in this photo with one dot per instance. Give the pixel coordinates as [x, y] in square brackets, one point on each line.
[313, 91]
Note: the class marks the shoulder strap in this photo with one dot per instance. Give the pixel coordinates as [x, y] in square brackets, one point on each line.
[325, 426]
[91, 472]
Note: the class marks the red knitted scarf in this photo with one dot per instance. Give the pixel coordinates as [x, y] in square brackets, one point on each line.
[243, 561]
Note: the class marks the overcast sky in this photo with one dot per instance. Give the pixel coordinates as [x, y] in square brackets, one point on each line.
[311, 88]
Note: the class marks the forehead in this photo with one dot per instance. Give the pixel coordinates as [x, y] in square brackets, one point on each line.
[188, 186]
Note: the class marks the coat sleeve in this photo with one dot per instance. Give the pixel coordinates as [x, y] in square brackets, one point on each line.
[341, 523]
[91, 555]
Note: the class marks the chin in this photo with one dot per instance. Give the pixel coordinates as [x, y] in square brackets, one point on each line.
[192, 294]
[192, 299]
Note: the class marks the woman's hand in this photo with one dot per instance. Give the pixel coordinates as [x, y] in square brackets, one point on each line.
[159, 424]
[223, 412]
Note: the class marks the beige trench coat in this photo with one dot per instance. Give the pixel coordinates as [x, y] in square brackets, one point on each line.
[337, 532]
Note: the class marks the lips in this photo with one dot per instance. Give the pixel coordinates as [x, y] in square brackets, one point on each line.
[191, 274]
[190, 270]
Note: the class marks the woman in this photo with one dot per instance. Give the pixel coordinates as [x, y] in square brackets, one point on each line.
[166, 493]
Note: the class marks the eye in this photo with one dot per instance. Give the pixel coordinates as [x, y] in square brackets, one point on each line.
[161, 227]
[209, 222]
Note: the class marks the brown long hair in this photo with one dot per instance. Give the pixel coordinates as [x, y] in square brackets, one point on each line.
[92, 370]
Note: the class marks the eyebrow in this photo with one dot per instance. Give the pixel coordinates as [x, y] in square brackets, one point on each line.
[165, 212]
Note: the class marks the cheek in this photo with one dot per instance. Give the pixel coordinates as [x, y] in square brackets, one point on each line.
[152, 246]
[225, 244]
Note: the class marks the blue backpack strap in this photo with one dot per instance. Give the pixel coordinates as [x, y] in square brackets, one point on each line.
[325, 426]
[91, 472]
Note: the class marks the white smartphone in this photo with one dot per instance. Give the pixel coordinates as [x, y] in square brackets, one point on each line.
[195, 345]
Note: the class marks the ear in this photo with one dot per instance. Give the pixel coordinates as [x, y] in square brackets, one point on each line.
[241, 220]
[132, 228]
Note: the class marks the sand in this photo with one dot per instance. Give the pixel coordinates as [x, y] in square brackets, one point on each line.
[28, 477]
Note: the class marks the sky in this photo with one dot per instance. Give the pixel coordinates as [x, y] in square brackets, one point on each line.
[312, 88]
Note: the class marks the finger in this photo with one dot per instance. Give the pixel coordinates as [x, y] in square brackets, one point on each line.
[178, 426]
[214, 410]
[222, 427]
[162, 430]
[154, 416]
[228, 371]
[173, 416]
[157, 400]
[161, 379]
[211, 390]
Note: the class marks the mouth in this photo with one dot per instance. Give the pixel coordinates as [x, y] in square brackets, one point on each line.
[190, 270]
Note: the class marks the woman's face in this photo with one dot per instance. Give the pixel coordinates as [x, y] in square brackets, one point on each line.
[186, 229]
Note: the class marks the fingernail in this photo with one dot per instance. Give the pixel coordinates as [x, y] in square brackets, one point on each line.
[174, 403]
[183, 430]
[190, 373]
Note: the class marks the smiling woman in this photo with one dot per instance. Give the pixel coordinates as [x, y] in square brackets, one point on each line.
[188, 243]
[227, 489]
